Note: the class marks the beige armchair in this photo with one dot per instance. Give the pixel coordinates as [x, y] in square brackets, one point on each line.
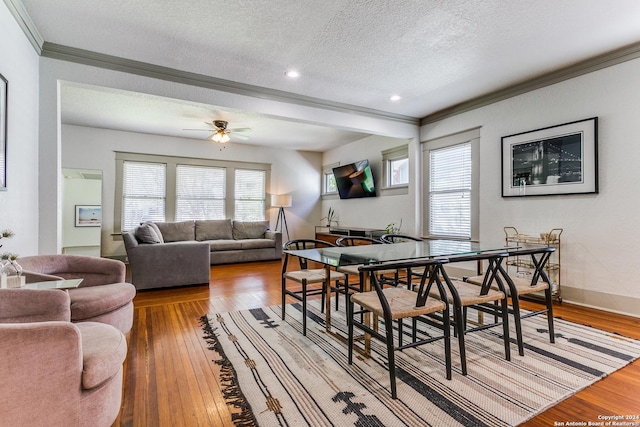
[54, 372]
[103, 295]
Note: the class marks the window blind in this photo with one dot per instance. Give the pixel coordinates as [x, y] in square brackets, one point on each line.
[143, 193]
[250, 194]
[200, 192]
[450, 191]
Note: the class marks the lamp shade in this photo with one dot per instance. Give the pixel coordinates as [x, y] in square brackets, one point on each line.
[281, 200]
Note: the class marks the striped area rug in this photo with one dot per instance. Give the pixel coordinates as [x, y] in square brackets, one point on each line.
[275, 376]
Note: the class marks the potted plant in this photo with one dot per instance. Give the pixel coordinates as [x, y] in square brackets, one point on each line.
[392, 228]
[331, 217]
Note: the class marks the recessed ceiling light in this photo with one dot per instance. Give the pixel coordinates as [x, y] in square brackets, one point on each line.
[395, 98]
[292, 74]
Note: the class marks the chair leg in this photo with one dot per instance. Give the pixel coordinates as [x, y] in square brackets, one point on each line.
[350, 331]
[346, 290]
[391, 358]
[284, 296]
[400, 324]
[515, 304]
[459, 330]
[446, 326]
[505, 329]
[304, 307]
[549, 301]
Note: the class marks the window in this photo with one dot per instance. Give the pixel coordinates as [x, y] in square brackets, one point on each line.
[329, 186]
[396, 167]
[451, 182]
[450, 191]
[200, 192]
[330, 183]
[143, 193]
[250, 195]
[166, 188]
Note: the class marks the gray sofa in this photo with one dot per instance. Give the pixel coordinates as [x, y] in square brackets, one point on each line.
[166, 254]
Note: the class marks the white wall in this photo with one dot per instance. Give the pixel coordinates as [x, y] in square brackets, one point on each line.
[19, 203]
[373, 212]
[601, 237]
[292, 172]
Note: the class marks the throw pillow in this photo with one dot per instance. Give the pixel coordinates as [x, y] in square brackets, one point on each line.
[213, 229]
[156, 229]
[146, 234]
[249, 229]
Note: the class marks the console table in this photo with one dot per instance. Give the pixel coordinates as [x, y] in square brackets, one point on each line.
[333, 233]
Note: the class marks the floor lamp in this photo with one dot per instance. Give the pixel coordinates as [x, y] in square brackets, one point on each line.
[281, 201]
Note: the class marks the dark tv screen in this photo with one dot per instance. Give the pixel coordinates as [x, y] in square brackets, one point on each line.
[355, 180]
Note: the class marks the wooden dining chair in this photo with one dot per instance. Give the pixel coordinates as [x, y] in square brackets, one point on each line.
[486, 299]
[306, 277]
[391, 238]
[516, 287]
[393, 305]
[385, 277]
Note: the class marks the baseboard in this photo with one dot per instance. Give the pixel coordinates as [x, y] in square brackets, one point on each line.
[620, 304]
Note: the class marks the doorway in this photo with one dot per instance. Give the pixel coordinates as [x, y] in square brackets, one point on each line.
[81, 212]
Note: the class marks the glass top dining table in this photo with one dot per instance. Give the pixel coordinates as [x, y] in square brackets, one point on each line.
[333, 257]
[373, 254]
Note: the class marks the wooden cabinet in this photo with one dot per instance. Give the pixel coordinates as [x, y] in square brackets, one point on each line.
[522, 267]
[331, 234]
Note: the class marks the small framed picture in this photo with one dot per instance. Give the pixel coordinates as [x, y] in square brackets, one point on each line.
[88, 216]
[555, 160]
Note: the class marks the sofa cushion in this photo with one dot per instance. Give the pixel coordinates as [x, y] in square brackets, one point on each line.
[145, 233]
[213, 229]
[177, 231]
[224, 245]
[257, 243]
[249, 229]
[104, 349]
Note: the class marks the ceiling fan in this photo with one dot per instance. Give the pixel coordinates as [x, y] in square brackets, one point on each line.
[221, 134]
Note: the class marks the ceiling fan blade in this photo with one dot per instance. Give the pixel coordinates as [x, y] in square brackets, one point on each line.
[206, 130]
[236, 135]
[239, 130]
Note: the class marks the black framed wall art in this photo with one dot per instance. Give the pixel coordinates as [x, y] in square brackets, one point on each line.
[4, 86]
[555, 160]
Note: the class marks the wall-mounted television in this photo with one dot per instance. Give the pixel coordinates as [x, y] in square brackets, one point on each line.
[355, 180]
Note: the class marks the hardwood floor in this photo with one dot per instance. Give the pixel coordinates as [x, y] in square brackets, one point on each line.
[170, 378]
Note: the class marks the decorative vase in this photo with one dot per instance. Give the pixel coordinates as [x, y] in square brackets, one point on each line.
[11, 274]
[12, 268]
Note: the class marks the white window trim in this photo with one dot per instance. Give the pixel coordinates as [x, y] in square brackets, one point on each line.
[172, 162]
[472, 136]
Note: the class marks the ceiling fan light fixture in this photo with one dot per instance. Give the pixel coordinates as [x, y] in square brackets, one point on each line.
[220, 136]
[293, 74]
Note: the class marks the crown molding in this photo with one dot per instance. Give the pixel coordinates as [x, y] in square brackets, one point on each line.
[23, 19]
[86, 57]
[600, 62]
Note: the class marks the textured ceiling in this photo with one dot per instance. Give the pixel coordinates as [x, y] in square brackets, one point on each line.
[433, 53]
